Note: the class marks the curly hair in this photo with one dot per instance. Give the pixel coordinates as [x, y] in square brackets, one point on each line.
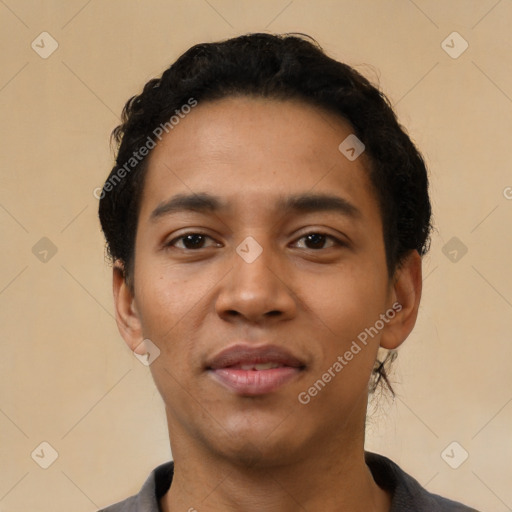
[277, 67]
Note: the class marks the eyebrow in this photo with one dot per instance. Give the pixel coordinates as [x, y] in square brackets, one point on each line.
[299, 203]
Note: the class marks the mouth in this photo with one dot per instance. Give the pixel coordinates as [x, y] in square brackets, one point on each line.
[252, 371]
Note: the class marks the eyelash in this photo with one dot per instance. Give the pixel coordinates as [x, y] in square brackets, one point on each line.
[337, 242]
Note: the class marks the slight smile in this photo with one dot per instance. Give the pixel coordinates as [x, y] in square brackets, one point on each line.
[252, 371]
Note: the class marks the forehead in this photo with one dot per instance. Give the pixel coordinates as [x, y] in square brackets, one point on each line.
[252, 150]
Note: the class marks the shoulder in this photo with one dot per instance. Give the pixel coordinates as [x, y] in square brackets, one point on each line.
[407, 494]
[155, 486]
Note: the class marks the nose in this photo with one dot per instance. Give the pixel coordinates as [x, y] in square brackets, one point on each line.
[256, 291]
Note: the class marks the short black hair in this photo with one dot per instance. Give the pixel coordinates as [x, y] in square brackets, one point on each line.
[289, 66]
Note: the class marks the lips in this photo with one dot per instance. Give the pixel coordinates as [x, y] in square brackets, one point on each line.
[252, 371]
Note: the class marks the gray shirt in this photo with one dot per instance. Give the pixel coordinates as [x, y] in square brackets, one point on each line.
[407, 494]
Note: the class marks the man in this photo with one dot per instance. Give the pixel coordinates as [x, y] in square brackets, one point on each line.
[266, 218]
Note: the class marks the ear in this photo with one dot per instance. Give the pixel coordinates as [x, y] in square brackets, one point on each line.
[404, 300]
[127, 316]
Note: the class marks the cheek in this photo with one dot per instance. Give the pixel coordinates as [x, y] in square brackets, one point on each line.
[343, 309]
[163, 303]
[172, 306]
[168, 306]
[348, 301]
[159, 305]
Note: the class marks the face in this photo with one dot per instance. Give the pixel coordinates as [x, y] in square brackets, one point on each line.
[259, 262]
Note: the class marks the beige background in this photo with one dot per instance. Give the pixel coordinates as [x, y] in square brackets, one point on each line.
[66, 376]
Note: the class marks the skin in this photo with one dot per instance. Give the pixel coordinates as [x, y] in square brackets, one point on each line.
[268, 452]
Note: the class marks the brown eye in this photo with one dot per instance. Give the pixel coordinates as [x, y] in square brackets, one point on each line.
[189, 241]
[317, 241]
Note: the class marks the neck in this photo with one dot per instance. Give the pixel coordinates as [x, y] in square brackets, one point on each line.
[327, 475]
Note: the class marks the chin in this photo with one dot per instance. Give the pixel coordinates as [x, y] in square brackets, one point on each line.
[251, 455]
[262, 444]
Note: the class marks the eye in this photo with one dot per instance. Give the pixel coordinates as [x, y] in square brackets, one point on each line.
[194, 241]
[191, 241]
[317, 241]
